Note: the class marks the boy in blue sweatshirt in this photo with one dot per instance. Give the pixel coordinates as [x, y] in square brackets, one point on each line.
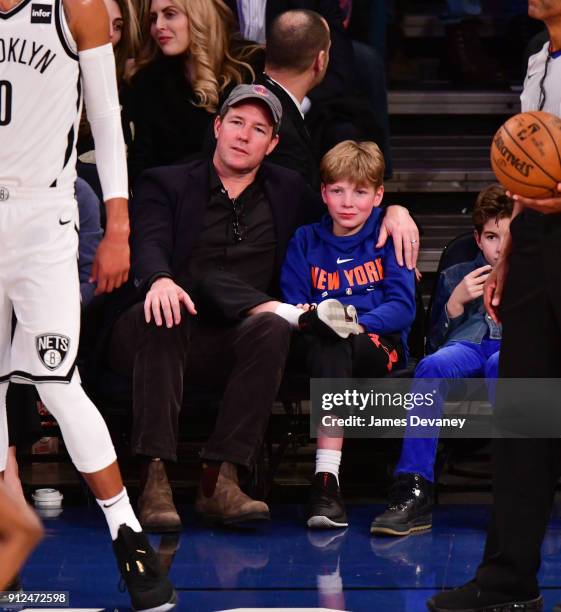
[338, 258]
[463, 342]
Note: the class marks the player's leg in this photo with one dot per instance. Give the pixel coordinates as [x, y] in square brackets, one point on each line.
[45, 294]
[525, 470]
[24, 427]
[20, 532]
[11, 475]
[89, 445]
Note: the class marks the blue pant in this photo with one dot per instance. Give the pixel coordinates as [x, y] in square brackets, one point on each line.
[457, 360]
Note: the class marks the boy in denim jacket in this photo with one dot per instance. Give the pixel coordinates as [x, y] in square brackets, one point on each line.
[463, 342]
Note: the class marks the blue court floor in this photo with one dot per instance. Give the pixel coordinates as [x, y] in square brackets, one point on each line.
[283, 565]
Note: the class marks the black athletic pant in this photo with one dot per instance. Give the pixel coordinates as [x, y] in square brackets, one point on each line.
[244, 358]
[24, 422]
[525, 471]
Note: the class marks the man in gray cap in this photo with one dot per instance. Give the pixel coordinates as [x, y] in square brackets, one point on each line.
[256, 93]
[228, 214]
[208, 241]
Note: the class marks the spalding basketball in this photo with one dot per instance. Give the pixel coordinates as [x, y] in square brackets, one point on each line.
[525, 154]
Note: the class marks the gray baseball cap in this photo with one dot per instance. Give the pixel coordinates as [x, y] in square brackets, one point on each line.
[255, 92]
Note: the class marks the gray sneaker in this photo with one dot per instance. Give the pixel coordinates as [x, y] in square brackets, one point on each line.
[330, 317]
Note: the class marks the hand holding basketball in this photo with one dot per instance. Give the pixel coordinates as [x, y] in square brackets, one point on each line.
[526, 156]
[547, 206]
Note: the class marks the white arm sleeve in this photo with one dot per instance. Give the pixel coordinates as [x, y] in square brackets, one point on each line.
[104, 114]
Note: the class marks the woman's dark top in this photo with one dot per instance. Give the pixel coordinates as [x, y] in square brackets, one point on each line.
[168, 127]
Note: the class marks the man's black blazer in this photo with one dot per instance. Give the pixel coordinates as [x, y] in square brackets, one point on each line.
[294, 149]
[168, 207]
[166, 218]
[339, 77]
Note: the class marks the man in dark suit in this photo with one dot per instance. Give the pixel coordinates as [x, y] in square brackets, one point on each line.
[297, 58]
[233, 214]
[340, 73]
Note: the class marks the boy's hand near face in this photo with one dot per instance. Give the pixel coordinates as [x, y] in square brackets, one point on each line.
[468, 290]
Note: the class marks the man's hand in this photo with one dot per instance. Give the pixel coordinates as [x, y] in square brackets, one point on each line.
[468, 290]
[547, 206]
[493, 290]
[111, 265]
[166, 297]
[398, 224]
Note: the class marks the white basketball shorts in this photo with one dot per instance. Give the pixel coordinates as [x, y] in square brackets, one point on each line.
[39, 282]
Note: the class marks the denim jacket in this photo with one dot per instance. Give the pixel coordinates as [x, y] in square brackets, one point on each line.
[473, 325]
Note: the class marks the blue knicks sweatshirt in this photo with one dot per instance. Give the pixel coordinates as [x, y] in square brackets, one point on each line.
[320, 265]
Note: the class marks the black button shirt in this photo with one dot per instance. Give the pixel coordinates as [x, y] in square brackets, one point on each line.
[238, 235]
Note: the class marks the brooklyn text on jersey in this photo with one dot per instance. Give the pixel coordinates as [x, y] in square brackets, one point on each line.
[26, 52]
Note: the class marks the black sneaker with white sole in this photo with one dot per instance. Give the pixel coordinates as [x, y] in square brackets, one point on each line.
[148, 586]
[331, 318]
[471, 598]
[326, 509]
[409, 509]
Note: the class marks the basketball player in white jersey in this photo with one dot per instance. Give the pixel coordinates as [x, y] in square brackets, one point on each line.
[53, 53]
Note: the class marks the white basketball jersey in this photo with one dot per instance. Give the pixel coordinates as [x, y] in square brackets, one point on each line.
[40, 97]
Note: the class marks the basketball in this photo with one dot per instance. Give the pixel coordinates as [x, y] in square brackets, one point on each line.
[525, 154]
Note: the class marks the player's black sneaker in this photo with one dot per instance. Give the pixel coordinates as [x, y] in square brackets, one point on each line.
[409, 508]
[326, 509]
[148, 586]
[470, 598]
[330, 317]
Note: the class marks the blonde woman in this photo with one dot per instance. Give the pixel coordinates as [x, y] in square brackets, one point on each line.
[191, 55]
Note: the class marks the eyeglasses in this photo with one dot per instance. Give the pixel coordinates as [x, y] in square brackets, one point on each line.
[239, 228]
